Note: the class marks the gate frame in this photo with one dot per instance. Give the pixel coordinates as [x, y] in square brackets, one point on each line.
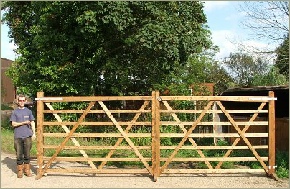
[156, 170]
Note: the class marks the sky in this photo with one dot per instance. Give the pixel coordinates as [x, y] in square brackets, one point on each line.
[224, 21]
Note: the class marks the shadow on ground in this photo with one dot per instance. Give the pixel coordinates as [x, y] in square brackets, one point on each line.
[10, 162]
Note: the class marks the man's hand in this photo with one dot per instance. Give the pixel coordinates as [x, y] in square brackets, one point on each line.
[33, 137]
[26, 123]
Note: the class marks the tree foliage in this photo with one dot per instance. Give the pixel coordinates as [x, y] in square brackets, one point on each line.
[102, 47]
[282, 61]
[243, 68]
[271, 78]
[199, 69]
[267, 19]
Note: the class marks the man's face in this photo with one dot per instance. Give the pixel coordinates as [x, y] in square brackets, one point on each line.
[21, 101]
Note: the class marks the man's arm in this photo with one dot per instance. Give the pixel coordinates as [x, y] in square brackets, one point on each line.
[18, 124]
[33, 130]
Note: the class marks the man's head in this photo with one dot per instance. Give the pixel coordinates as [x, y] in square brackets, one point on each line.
[21, 99]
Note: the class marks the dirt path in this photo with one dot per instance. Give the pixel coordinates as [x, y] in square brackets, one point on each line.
[9, 180]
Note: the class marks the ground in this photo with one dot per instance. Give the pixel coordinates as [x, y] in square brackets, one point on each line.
[9, 179]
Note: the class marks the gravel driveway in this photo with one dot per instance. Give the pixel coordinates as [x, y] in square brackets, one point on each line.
[9, 179]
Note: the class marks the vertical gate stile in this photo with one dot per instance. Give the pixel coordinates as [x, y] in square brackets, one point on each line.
[153, 122]
[271, 121]
[155, 146]
[157, 136]
[39, 126]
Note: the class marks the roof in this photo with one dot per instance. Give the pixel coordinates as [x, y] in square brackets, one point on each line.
[280, 92]
[258, 88]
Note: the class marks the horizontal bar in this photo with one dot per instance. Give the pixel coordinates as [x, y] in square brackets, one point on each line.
[219, 98]
[161, 111]
[262, 98]
[188, 171]
[93, 98]
[145, 171]
[104, 171]
[190, 98]
[161, 123]
[97, 123]
[148, 135]
[149, 147]
[161, 159]
[49, 98]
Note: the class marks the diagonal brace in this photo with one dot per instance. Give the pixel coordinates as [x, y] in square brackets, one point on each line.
[57, 117]
[242, 136]
[186, 136]
[184, 131]
[243, 131]
[119, 141]
[67, 138]
[125, 136]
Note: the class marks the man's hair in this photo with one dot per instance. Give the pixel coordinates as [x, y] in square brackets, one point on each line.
[21, 95]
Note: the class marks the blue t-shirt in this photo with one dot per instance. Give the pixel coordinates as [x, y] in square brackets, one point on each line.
[21, 115]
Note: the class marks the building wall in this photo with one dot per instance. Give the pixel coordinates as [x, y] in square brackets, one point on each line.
[281, 133]
[8, 91]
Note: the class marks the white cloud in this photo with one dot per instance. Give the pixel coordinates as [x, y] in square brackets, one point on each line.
[223, 38]
[253, 48]
[230, 41]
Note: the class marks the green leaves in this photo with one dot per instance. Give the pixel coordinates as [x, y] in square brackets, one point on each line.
[282, 61]
[103, 47]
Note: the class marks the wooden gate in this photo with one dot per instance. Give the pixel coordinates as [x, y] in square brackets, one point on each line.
[144, 137]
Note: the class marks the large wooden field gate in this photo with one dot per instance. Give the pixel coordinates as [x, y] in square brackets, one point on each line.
[152, 135]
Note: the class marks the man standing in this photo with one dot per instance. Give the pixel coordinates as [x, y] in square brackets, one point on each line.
[23, 123]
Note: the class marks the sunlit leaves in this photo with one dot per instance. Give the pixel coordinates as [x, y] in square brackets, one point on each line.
[103, 47]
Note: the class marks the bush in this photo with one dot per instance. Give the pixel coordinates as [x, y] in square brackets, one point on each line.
[5, 124]
[6, 107]
[282, 161]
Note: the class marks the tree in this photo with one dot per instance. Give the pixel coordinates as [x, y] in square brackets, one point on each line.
[101, 47]
[243, 68]
[267, 19]
[199, 69]
[271, 78]
[270, 20]
[282, 61]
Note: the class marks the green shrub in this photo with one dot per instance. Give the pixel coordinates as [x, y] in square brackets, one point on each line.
[6, 107]
[282, 161]
[5, 124]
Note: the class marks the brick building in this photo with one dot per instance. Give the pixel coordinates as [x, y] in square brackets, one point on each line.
[8, 90]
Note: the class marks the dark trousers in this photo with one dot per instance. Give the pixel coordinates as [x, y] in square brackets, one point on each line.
[22, 147]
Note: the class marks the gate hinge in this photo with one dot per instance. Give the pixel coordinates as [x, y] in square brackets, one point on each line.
[37, 166]
[272, 166]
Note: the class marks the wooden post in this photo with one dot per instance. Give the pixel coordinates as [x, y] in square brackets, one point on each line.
[155, 135]
[157, 131]
[39, 126]
[214, 118]
[272, 129]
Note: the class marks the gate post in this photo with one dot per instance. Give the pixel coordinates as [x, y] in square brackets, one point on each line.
[272, 129]
[155, 135]
[40, 118]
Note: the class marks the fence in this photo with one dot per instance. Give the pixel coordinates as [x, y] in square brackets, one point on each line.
[158, 138]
